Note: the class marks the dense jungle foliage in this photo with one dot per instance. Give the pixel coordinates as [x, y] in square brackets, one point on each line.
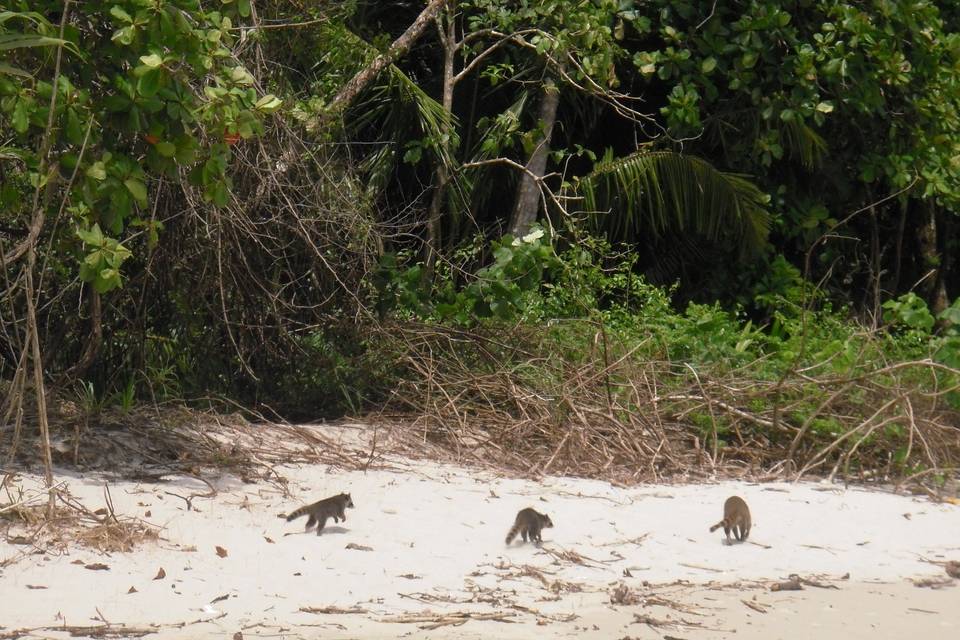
[261, 199]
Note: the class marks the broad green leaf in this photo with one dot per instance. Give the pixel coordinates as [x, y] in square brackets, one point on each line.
[97, 171]
[241, 76]
[107, 280]
[166, 149]
[149, 83]
[152, 60]
[121, 15]
[137, 189]
[124, 35]
[268, 103]
[21, 116]
[92, 236]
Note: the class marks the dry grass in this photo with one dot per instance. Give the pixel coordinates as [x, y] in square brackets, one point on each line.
[510, 401]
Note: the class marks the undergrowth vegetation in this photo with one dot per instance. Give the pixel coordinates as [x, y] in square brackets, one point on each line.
[597, 373]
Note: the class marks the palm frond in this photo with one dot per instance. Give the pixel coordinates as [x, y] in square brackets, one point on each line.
[498, 132]
[803, 143]
[663, 193]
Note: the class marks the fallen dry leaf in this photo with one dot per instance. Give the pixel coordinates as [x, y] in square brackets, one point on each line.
[220, 598]
[100, 512]
[238, 636]
[221, 552]
[268, 539]
[358, 547]
[147, 514]
[78, 561]
[132, 590]
[160, 574]
[96, 566]
[36, 586]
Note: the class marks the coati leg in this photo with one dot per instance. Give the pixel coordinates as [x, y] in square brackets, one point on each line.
[321, 523]
[312, 520]
[523, 534]
[343, 514]
[535, 535]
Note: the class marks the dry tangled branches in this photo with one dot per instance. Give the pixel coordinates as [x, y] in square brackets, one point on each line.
[515, 400]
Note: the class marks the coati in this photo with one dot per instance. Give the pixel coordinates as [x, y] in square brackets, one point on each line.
[736, 518]
[529, 523]
[332, 507]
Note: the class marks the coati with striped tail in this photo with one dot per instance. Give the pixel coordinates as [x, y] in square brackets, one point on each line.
[332, 507]
[736, 518]
[529, 523]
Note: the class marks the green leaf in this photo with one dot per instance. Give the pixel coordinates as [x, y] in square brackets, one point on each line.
[243, 8]
[21, 116]
[124, 35]
[121, 15]
[14, 71]
[241, 76]
[825, 107]
[149, 83]
[166, 149]
[268, 103]
[92, 236]
[107, 280]
[218, 193]
[153, 60]
[137, 189]
[23, 40]
[97, 171]
[73, 128]
[708, 65]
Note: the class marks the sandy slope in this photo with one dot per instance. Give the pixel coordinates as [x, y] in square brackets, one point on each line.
[436, 537]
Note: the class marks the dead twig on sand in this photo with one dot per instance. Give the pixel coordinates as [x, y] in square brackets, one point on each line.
[791, 584]
[756, 606]
[332, 610]
[934, 583]
[430, 621]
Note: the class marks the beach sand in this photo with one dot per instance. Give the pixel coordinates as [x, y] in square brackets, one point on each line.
[428, 549]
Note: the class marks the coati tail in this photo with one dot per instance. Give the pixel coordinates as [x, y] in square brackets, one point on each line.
[722, 523]
[513, 533]
[299, 512]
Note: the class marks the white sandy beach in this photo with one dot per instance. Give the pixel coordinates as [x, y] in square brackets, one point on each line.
[435, 534]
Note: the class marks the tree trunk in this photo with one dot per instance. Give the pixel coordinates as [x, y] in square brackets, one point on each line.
[399, 47]
[933, 286]
[527, 203]
[94, 338]
[448, 36]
